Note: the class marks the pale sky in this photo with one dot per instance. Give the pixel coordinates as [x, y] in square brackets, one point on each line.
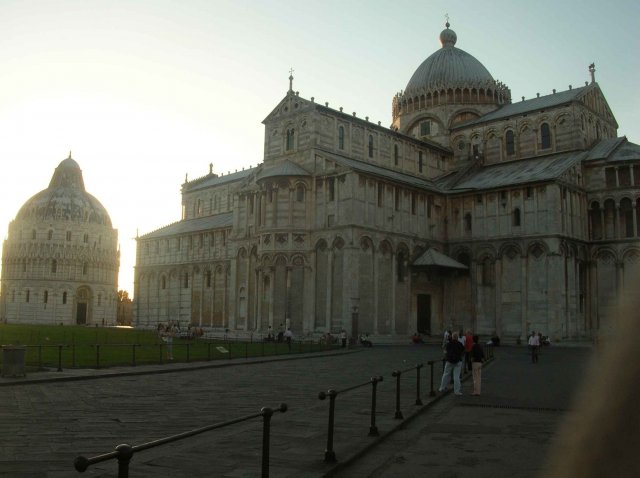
[144, 92]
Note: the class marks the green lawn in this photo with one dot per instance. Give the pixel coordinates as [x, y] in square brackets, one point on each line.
[53, 347]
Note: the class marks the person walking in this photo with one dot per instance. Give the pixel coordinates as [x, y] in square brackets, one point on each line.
[468, 345]
[534, 343]
[288, 337]
[343, 338]
[477, 358]
[454, 351]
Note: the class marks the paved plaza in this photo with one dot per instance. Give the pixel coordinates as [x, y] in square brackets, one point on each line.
[49, 418]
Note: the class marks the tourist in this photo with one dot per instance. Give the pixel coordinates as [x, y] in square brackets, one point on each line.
[534, 343]
[343, 338]
[288, 337]
[454, 351]
[365, 341]
[468, 345]
[416, 339]
[477, 357]
[446, 337]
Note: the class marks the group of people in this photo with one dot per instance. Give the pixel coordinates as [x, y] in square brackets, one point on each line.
[283, 335]
[462, 350]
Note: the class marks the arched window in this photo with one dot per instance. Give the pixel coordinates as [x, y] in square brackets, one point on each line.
[24, 265]
[595, 216]
[300, 193]
[45, 297]
[85, 239]
[626, 217]
[370, 146]
[33, 234]
[186, 280]
[27, 296]
[510, 143]
[208, 280]
[516, 217]
[54, 266]
[163, 282]
[341, 137]
[467, 222]
[64, 298]
[50, 234]
[85, 266]
[395, 154]
[545, 136]
[290, 140]
[487, 272]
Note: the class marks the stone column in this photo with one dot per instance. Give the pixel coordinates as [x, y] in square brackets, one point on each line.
[328, 310]
[498, 311]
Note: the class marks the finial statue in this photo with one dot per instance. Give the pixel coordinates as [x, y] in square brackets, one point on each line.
[186, 176]
[446, 16]
[592, 70]
[210, 168]
[69, 155]
[291, 79]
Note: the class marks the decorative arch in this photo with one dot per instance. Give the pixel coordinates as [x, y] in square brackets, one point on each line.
[321, 244]
[338, 243]
[537, 249]
[605, 254]
[366, 243]
[510, 250]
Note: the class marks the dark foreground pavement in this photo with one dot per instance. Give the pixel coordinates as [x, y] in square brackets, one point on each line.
[50, 418]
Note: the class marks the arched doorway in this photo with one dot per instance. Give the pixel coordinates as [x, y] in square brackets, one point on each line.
[83, 302]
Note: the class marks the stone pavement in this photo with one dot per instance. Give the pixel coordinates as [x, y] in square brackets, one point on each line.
[49, 418]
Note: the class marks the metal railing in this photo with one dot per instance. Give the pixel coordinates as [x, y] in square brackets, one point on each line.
[398, 375]
[329, 453]
[124, 453]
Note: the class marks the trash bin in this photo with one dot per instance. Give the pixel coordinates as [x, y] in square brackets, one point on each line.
[13, 359]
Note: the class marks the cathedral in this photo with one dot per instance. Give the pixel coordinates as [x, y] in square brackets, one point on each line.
[472, 210]
[60, 260]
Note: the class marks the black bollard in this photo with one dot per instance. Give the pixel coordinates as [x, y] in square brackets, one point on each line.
[373, 429]
[329, 454]
[125, 452]
[418, 399]
[432, 393]
[59, 358]
[398, 414]
[133, 355]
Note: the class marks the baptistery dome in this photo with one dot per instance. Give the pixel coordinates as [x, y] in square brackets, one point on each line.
[60, 260]
[65, 199]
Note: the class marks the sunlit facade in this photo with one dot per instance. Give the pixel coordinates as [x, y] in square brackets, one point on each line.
[471, 211]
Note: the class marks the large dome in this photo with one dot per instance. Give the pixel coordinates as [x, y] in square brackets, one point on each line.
[449, 67]
[65, 199]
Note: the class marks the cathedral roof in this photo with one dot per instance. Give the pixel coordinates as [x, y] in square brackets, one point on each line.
[449, 67]
[614, 149]
[285, 168]
[389, 174]
[526, 106]
[431, 257]
[65, 199]
[541, 168]
[198, 224]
